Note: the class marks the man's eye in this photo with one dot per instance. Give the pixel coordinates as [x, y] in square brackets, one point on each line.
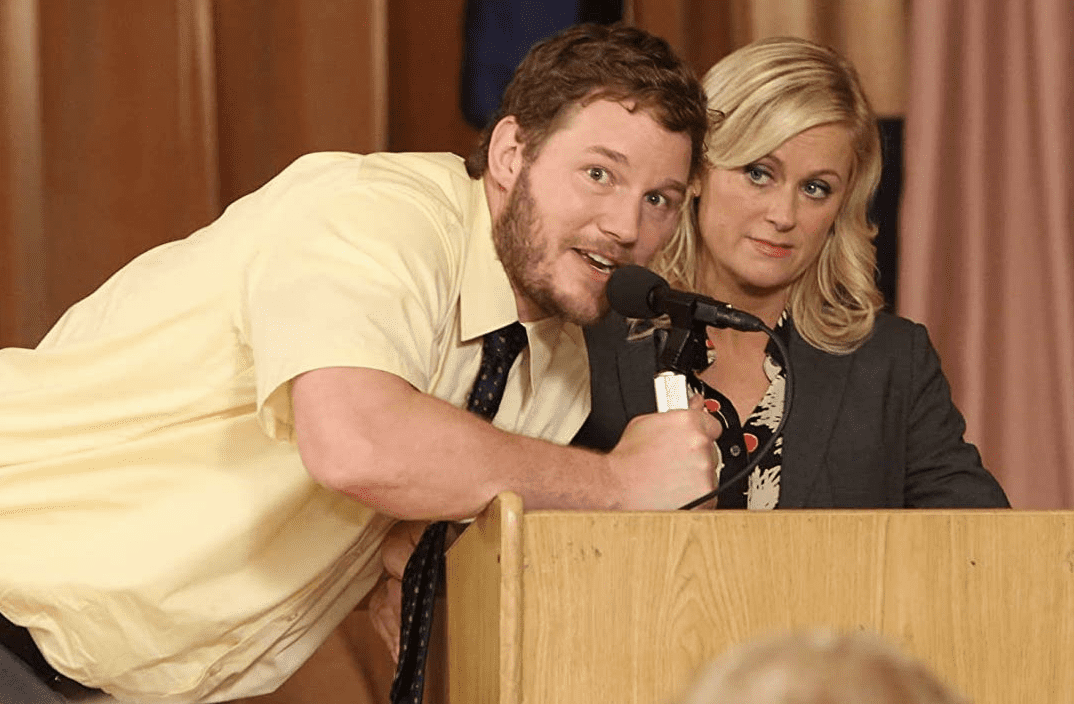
[598, 174]
[657, 199]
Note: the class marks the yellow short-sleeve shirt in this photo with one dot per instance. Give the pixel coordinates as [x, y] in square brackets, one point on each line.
[159, 535]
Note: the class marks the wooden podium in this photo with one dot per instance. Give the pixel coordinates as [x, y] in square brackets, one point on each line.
[578, 607]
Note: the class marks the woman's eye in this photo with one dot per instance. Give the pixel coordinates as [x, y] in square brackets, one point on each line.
[817, 189]
[756, 174]
[598, 174]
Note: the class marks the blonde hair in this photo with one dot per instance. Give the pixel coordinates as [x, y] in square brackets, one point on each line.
[759, 97]
[819, 667]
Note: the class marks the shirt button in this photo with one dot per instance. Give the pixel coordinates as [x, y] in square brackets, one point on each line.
[735, 450]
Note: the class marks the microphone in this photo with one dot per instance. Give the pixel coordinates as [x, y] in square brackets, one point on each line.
[637, 292]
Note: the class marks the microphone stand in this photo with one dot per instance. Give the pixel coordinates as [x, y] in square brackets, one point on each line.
[684, 351]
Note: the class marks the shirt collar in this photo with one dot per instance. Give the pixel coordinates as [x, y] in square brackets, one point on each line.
[487, 301]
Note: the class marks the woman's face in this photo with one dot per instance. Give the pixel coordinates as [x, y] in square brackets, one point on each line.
[763, 225]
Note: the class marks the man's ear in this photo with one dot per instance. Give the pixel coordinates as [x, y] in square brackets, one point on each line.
[698, 183]
[505, 159]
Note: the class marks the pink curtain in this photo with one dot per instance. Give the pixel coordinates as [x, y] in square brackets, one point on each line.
[987, 227]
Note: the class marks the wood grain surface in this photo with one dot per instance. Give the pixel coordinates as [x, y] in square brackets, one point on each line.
[626, 607]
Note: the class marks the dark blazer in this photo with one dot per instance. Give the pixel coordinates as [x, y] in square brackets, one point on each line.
[872, 429]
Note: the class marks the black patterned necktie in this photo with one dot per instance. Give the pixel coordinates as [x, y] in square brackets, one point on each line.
[425, 568]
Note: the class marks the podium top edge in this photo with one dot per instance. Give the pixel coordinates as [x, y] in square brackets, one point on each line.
[810, 512]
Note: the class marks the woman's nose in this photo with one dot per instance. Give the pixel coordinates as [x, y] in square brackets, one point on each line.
[782, 210]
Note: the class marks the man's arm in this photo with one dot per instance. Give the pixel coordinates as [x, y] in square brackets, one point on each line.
[408, 454]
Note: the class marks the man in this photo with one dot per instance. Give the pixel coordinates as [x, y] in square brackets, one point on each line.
[207, 452]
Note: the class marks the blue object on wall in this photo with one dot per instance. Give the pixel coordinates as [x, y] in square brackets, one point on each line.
[498, 33]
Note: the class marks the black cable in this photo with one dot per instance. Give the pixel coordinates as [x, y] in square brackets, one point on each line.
[788, 394]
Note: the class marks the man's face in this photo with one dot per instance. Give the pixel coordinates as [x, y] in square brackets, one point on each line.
[605, 190]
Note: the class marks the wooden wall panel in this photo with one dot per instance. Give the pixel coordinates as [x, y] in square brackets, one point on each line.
[296, 77]
[871, 33]
[701, 32]
[21, 233]
[125, 136]
[125, 124]
[425, 41]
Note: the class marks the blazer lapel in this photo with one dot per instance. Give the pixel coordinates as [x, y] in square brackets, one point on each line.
[819, 384]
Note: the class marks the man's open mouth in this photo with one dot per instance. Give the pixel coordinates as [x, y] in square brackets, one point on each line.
[601, 264]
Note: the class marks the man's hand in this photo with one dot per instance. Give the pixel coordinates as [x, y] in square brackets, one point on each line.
[386, 601]
[666, 460]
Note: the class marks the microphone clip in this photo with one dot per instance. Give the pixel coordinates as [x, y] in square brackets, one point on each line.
[683, 350]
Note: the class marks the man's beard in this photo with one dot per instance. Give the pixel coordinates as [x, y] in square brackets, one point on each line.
[513, 235]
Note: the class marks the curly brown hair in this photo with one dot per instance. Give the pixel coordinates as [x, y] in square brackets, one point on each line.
[590, 62]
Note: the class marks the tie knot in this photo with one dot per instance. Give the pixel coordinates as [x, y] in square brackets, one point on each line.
[498, 352]
[504, 345]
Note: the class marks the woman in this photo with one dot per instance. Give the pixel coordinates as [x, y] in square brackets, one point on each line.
[819, 667]
[779, 228]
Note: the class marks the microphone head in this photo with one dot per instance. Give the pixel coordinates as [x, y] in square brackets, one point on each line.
[631, 289]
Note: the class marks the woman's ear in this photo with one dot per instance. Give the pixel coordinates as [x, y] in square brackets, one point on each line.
[505, 158]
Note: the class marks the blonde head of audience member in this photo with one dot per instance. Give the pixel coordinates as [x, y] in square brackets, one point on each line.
[819, 668]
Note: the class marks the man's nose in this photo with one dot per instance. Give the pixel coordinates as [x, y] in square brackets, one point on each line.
[621, 219]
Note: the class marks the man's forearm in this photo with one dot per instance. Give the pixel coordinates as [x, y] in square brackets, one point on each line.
[408, 454]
